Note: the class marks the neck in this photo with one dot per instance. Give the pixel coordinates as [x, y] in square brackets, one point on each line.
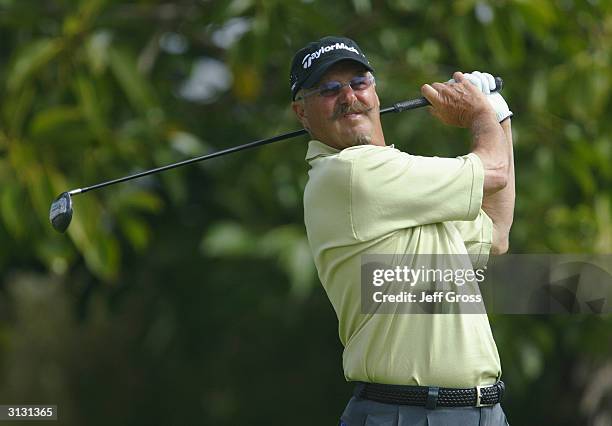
[377, 139]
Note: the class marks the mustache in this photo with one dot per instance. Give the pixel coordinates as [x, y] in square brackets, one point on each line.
[355, 108]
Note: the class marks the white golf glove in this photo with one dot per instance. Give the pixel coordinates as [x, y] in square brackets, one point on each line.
[486, 84]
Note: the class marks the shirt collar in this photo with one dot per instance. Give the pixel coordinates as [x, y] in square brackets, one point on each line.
[317, 148]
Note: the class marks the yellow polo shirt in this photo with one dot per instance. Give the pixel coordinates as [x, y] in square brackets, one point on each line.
[378, 200]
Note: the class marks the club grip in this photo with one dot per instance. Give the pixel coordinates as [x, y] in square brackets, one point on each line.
[499, 84]
[421, 102]
[410, 104]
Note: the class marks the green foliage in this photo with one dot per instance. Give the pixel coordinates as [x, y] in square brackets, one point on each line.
[194, 291]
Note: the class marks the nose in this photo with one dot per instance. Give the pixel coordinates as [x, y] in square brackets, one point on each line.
[347, 94]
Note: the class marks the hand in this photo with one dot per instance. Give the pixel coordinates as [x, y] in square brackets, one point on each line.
[486, 84]
[458, 104]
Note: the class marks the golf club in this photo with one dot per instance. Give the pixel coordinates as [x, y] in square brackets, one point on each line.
[60, 213]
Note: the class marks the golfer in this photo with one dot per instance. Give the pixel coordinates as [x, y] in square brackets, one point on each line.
[365, 196]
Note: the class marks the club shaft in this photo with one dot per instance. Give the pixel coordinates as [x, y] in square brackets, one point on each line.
[398, 107]
[191, 160]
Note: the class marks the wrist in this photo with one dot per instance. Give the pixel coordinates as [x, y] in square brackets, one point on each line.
[484, 120]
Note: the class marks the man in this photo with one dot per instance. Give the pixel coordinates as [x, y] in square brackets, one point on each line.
[365, 197]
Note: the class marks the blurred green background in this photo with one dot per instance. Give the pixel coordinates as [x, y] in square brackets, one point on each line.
[191, 297]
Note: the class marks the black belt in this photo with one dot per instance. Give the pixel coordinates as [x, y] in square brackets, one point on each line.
[431, 396]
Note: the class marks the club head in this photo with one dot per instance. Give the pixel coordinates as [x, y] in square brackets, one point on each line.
[60, 213]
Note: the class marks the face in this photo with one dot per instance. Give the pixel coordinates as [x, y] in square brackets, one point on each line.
[348, 118]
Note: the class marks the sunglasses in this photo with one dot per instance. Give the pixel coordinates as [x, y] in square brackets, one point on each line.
[332, 88]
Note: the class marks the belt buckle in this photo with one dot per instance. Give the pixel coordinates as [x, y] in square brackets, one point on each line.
[479, 396]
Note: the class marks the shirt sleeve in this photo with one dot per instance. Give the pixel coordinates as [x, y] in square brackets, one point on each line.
[392, 190]
[477, 235]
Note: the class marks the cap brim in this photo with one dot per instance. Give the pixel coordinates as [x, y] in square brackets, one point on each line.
[323, 67]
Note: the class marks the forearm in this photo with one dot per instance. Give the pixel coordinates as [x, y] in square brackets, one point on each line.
[488, 142]
[499, 206]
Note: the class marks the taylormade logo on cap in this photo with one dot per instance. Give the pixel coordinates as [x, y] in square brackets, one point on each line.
[308, 59]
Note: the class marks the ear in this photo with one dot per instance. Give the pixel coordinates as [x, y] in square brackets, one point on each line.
[300, 113]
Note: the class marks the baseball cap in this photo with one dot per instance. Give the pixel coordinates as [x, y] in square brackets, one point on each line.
[310, 63]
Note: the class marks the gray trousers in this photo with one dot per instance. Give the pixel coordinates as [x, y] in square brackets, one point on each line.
[363, 412]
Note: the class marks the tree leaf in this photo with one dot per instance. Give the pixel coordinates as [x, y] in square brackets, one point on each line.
[228, 239]
[30, 59]
[132, 82]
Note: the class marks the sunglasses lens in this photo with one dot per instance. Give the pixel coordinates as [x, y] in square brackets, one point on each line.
[360, 83]
[330, 88]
